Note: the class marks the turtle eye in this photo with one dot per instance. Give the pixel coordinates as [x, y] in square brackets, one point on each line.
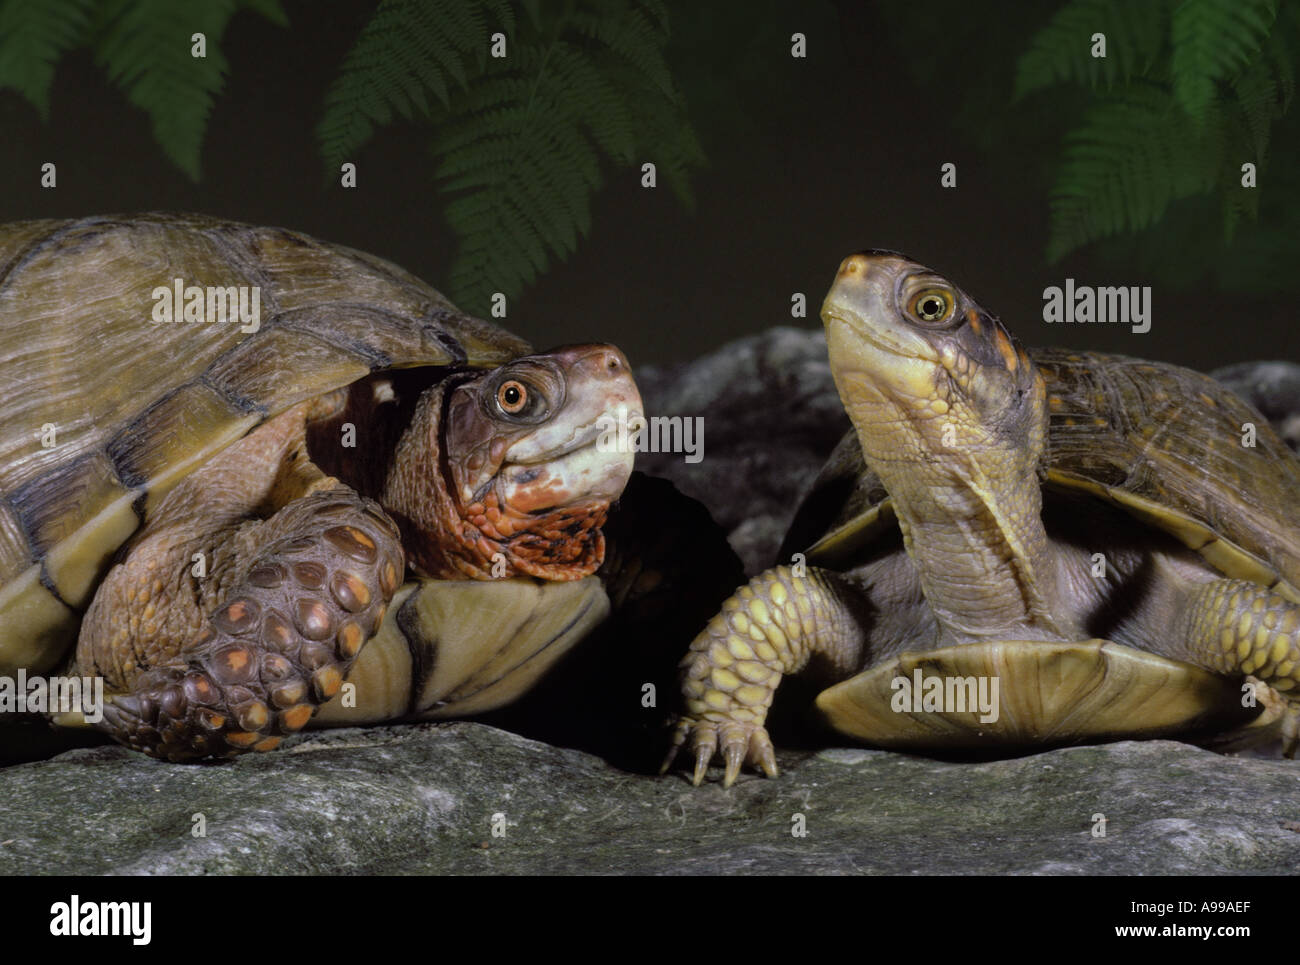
[932, 306]
[512, 396]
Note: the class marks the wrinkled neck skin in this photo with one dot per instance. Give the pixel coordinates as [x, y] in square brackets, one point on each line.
[446, 539]
[970, 512]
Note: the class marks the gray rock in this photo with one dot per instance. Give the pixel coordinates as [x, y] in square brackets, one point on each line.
[771, 417]
[421, 799]
[1271, 387]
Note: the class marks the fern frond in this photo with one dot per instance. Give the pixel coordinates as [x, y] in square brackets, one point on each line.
[33, 36]
[1061, 51]
[629, 33]
[1120, 170]
[520, 150]
[1237, 203]
[672, 145]
[1212, 40]
[658, 12]
[1263, 91]
[145, 48]
[523, 156]
[408, 50]
[606, 91]
[1284, 50]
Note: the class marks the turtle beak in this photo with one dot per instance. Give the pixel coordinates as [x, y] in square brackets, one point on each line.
[862, 299]
[871, 348]
[565, 461]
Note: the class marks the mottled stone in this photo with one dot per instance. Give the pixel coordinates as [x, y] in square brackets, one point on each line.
[771, 417]
[424, 800]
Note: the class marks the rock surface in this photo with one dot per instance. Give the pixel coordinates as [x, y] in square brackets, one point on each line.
[422, 800]
[771, 417]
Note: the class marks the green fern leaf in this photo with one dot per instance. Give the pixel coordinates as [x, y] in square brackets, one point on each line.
[1212, 40]
[606, 93]
[629, 33]
[657, 12]
[1260, 259]
[671, 144]
[529, 168]
[1284, 51]
[1062, 51]
[145, 48]
[1262, 92]
[1131, 157]
[33, 36]
[1239, 203]
[408, 50]
[520, 151]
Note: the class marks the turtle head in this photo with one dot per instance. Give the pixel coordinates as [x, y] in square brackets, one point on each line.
[502, 472]
[922, 368]
[528, 431]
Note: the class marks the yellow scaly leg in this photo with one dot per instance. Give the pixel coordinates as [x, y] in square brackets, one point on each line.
[1234, 626]
[770, 627]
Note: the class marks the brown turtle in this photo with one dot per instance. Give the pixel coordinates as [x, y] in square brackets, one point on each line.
[1014, 549]
[220, 512]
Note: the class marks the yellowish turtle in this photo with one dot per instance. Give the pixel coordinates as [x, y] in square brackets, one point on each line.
[1014, 549]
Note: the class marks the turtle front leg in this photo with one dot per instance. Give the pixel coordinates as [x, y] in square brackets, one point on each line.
[1234, 626]
[775, 625]
[316, 578]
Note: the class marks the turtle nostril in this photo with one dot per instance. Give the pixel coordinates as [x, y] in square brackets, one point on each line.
[852, 265]
[611, 361]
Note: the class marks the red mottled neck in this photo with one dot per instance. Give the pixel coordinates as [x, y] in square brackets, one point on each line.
[444, 540]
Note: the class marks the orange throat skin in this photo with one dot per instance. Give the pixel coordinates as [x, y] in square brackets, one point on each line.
[477, 541]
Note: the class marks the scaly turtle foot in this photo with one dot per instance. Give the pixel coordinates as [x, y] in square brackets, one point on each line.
[738, 742]
[281, 643]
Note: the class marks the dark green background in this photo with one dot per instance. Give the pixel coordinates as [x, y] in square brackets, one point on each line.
[809, 160]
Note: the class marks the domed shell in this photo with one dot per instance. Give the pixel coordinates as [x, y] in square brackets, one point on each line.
[109, 405]
[1168, 445]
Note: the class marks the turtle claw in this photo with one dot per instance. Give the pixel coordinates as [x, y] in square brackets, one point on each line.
[703, 754]
[680, 732]
[679, 738]
[738, 742]
[765, 756]
[734, 744]
[704, 743]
